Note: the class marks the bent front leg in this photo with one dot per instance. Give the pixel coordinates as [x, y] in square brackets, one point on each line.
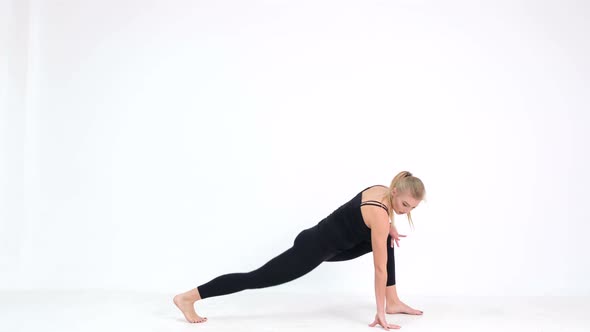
[352, 253]
[363, 248]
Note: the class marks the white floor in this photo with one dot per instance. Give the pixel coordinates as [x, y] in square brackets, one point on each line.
[257, 310]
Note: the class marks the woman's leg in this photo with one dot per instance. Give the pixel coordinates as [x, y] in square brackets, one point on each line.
[390, 263]
[291, 264]
[352, 253]
[395, 306]
[305, 255]
[364, 248]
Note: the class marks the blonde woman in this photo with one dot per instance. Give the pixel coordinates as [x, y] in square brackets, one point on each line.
[361, 225]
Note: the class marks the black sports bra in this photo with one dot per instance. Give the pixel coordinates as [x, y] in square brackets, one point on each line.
[375, 203]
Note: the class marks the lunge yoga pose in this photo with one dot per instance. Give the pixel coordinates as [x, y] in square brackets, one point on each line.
[361, 225]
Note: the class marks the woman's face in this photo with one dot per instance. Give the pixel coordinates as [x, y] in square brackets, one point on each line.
[403, 202]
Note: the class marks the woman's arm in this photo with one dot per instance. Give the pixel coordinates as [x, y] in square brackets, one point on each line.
[379, 234]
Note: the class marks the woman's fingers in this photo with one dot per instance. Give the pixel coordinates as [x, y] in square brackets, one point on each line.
[385, 326]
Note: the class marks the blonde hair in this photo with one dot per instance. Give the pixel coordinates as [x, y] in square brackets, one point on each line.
[404, 181]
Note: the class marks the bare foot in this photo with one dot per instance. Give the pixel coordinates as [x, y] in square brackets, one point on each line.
[187, 306]
[401, 308]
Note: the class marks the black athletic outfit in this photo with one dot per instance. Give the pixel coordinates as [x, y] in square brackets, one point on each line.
[340, 236]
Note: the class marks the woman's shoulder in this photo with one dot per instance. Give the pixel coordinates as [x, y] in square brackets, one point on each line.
[374, 212]
[374, 193]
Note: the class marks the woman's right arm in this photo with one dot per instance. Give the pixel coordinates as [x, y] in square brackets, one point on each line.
[379, 234]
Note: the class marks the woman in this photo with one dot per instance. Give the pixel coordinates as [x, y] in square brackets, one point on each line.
[363, 224]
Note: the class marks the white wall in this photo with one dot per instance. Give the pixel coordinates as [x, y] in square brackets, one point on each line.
[174, 141]
[13, 85]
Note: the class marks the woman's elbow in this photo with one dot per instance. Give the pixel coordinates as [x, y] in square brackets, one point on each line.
[381, 270]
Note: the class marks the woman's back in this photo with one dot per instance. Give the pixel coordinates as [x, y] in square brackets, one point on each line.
[345, 227]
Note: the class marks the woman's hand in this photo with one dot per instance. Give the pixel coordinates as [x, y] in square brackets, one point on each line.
[394, 235]
[380, 319]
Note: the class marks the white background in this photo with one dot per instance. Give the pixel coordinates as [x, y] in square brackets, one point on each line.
[154, 145]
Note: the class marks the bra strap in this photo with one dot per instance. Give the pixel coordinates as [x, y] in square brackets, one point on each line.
[375, 203]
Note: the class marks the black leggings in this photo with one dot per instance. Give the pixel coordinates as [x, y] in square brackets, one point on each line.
[297, 261]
